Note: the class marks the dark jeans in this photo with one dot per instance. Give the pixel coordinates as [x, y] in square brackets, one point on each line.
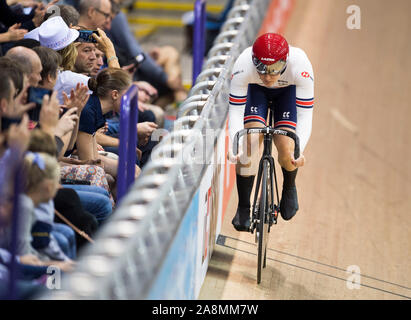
[66, 238]
[94, 199]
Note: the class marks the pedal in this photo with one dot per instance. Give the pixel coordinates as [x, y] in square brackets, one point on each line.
[253, 225]
[255, 212]
[275, 214]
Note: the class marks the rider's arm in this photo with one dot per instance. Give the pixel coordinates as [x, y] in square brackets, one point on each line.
[235, 118]
[238, 93]
[305, 100]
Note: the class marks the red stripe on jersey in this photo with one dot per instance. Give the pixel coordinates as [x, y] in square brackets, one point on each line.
[234, 100]
[293, 124]
[254, 118]
[305, 103]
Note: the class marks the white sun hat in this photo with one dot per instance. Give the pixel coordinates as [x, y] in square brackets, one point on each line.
[54, 34]
[33, 34]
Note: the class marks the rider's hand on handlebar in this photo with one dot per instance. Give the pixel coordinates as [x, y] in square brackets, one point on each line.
[299, 162]
[233, 158]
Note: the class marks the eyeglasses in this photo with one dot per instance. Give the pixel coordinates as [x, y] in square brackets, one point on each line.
[272, 69]
[106, 15]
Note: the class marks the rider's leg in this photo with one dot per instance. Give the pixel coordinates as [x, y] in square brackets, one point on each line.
[285, 148]
[254, 116]
[246, 170]
[285, 115]
[289, 199]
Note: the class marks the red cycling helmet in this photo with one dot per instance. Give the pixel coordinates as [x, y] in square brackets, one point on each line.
[270, 53]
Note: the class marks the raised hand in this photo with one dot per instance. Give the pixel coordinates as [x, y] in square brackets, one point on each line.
[144, 131]
[19, 135]
[41, 10]
[67, 122]
[49, 114]
[78, 98]
[104, 44]
[19, 107]
[15, 33]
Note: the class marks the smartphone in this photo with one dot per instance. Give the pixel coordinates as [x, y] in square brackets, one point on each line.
[139, 59]
[36, 95]
[86, 36]
[7, 122]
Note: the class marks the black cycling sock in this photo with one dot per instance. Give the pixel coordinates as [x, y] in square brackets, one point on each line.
[289, 178]
[244, 188]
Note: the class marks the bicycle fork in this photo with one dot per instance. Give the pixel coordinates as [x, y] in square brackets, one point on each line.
[273, 209]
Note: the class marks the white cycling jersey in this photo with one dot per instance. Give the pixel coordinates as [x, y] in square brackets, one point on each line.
[299, 72]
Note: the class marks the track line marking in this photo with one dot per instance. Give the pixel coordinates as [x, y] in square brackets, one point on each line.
[222, 242]
[337, 115]
[318, 272]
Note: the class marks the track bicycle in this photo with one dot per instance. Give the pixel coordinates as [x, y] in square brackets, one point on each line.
[264, 209]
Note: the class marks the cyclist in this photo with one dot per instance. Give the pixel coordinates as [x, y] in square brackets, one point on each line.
[271, 74]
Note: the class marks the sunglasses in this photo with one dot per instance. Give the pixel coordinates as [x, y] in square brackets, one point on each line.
[272, 69]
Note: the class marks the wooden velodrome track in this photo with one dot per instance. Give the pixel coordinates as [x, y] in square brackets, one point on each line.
[354, 191]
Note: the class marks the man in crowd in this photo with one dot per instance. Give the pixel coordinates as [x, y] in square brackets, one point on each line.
[86, 58]
[94, 14]
[31, 62]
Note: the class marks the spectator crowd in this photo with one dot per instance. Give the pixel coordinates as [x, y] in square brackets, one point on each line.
[64, 67]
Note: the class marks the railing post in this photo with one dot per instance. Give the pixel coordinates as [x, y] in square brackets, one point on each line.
[199, 37]
[132, 141]
[16, 180]
[128, 141]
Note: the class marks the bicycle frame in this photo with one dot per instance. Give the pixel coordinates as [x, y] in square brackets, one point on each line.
[268, 132]
[266, 156]
[265, 211]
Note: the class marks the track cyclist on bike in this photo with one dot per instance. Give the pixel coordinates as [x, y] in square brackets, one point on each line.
[270, 74]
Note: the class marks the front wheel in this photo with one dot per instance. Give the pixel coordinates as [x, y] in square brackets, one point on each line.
[263, 224]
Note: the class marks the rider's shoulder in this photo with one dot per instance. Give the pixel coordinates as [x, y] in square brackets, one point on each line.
[243, 68]
[297, 55]
[300, 66]
[246, 55]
